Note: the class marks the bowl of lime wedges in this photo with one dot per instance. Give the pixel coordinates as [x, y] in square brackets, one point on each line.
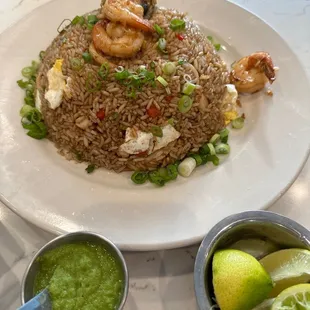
[255, 260]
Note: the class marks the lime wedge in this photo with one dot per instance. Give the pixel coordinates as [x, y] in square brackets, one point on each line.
[239, 280]
[266, 305]
[294, 298]
[255, 247]
[287, 268]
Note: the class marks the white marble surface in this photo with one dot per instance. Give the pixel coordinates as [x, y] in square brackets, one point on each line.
[159, 280]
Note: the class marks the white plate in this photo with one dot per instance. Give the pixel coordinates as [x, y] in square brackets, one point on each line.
[59, 196]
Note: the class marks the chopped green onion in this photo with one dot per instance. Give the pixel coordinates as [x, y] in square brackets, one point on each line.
[76, 64]
[177, 163]
[27, 72]
[217, 46]
[157, 131]
[198, 159]
[210, 39]
[225, 139]
[162, 81]
[188, 88]
[64, 25]
[90, 81]
[90, 168]
[155, 178]
[139, 177]
[159, 30]
[153, 65]
[92, 19]
[211, 148]
[26, 109]
[122, 75]
[169, 68]
[187, 166]
[222, 148]
[87, 57]
[42, 55]
[172, 171]
[78, 155]
[78, 20]
[163, 173]
[238, 123]
[29, 101]
[185, 104]
[162, 44]
[171, 121]
[104, 70]
[204, 158]
[31, 120]
[131, 92]
[224, 133]
[22, 84]
[181, 62]
[215, 138]
[215, 160]
[207, 149]
[177, 24]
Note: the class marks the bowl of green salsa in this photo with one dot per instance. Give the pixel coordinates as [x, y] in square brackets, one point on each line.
[81, 270]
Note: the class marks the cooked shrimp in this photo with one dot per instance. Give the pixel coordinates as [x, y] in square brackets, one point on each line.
[115, 40]
[251, 73]
[126, 12]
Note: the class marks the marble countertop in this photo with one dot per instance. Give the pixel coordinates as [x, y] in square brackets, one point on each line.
[159, 280]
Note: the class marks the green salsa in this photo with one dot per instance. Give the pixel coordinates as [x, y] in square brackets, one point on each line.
[81, 276]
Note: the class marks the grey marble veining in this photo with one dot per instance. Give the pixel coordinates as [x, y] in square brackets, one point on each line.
[159, 280]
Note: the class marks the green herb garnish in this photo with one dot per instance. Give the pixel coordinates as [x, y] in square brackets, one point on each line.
[90, 168]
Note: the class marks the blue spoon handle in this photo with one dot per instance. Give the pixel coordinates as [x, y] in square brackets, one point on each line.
[39, 302]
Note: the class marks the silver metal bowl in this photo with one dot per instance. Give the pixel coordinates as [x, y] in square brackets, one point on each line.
[284, 232]
[29, 276]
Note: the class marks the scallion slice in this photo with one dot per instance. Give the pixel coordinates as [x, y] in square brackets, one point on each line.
[92, 19]
[162, 81]
[215, 138]
[198, 159]
[222, 148]
[187, 166]
[224, 133]
[78, 20]
[238, 123]
[157, 131]
[139, 177]
[211, 149]
[90, 168]
[188, 88]
[159, 30]
[162, 45]
[76, 64]
[185, 104]
[155, 178]
[169, 68]
[177, 24]
[104, 70]
[87, 57]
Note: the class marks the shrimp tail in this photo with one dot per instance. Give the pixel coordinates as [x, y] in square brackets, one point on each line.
[264, 61]
[140, 23]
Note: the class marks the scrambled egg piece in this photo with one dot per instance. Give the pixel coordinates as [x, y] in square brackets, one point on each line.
[57, 85]
[230, 103]
[137, 141]
[169, 135]
[230, 116]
